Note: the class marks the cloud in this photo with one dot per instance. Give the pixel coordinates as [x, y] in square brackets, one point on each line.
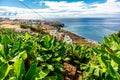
[110, 7]
[110, 1]
[21, 0]
[64, 9]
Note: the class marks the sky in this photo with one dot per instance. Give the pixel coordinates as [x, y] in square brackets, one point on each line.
[43, 9]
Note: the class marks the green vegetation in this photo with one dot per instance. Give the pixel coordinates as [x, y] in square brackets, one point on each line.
[55, 24]
[118, 34]
[104, 64]
[36, 28]
[41, 57]
[25, 26]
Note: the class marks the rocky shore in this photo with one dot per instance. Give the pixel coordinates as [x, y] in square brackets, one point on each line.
[79, 40]
[60, 35]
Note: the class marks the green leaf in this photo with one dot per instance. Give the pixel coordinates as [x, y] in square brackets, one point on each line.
[115, 38]
[90, 70]
[0, 38]
[96, 50]
[103, 59]
[58, 59]
[50, 67]
[19, 68]
[83, 66]
[32, 71]
[2, 54]
[96, 72]
[104, 68]
[22, 55]
[43, 73]
[67, 59]
[6, 40]
[59, 66]
[27, 36]
[51, 78]
[44, 57]
[47, 43]
[4, 69]
[115, 46]
[16, 46]
[12, 78]
[115, 58]
[113, 73]
[106, 40]
[77, 61]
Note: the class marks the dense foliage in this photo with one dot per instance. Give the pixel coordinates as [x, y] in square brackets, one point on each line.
[41, 57]
[105, 62]
[118, 34]
[25, 26]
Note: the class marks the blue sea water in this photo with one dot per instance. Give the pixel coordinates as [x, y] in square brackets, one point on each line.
[92, 28]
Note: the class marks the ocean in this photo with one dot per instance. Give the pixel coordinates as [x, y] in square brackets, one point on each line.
[93, 29]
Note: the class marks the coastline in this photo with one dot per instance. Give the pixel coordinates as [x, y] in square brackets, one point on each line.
[79, 40]
[76, 39]
[80, 36]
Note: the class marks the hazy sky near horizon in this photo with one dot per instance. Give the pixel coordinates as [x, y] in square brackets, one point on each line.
[59, 8]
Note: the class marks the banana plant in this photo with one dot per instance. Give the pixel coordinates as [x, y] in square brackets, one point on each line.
[105, 64]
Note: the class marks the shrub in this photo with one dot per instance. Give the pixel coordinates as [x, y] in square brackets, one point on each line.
[25, 26]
